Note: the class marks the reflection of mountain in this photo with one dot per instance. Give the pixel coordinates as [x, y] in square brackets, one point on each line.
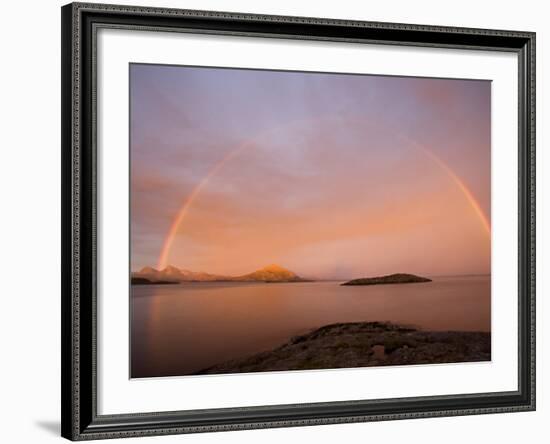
[271, 273]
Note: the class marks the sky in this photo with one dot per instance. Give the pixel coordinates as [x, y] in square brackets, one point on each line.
[333, 176]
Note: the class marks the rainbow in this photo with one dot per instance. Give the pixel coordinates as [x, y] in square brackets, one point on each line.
[462, 186]
[188, 202]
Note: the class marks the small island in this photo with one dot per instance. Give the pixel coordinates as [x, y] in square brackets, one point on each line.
[145, 281]
[398, 278]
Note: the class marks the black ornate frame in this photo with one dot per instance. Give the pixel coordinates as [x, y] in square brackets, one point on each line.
[80, 22]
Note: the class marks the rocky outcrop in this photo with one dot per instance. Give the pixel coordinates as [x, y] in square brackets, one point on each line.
[364, 344]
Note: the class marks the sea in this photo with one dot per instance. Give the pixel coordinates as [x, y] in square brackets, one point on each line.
[179, 329]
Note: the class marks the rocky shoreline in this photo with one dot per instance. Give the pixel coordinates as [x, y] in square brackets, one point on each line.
[364, 344]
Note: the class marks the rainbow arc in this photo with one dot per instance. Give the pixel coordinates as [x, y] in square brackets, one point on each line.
[187, 204]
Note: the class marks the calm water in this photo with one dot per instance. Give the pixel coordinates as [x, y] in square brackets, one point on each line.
[179, 329]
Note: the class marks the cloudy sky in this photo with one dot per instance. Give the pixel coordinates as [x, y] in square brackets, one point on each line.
[329, 175]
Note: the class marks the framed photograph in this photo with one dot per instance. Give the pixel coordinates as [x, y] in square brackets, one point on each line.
[281, 221]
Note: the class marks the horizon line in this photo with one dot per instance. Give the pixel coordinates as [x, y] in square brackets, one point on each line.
[319, 278]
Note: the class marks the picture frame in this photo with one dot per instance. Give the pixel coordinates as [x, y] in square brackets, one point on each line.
[80, 175]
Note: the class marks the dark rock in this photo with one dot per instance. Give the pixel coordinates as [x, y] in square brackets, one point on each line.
[364, 344]
[144, 281]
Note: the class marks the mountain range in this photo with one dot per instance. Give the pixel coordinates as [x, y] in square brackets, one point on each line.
[271, 273]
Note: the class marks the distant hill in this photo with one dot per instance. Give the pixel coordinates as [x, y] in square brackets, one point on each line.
[398, 278]
[174, 274]
[271, 273]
